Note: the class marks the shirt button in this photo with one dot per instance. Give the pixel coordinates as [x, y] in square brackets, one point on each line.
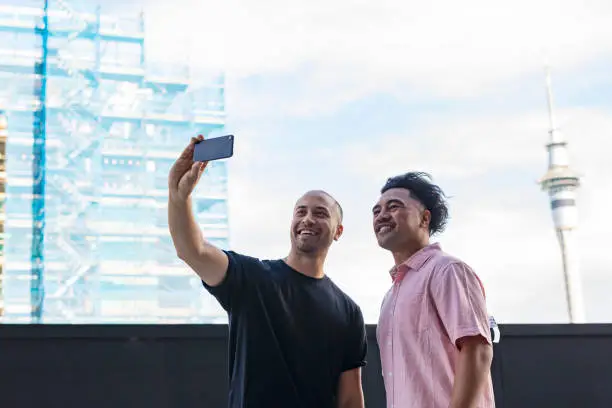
[389, 373]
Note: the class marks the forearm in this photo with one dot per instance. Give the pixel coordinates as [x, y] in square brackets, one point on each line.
[473, 369]
[350, 391]
[184, 230]
[353, 403]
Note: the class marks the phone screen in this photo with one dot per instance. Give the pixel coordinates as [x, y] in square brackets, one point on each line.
[214, 149]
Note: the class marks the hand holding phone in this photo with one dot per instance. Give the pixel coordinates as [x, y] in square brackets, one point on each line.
[214, 149]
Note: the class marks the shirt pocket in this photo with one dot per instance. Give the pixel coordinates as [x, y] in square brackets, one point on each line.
[410, 314]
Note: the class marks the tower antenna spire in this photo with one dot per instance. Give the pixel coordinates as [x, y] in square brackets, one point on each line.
[549, 98]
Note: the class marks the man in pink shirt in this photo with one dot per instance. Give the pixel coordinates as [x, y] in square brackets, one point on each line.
[433, 331]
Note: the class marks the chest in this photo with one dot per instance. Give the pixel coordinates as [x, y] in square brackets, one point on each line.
[313, 316]
[407, 309]
[315, 306]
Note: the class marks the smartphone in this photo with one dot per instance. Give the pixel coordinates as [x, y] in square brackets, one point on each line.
[214, 149]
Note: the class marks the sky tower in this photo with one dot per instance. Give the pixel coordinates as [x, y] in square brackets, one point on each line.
[561, 183]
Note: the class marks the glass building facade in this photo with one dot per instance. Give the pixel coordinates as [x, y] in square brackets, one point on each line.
[114, 124]
[3, 138]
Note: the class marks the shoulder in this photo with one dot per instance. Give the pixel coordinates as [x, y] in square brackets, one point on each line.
[250, 262]
[345, 302]
[450, 270]
[242, 259]
[444, 262]
[251, 268]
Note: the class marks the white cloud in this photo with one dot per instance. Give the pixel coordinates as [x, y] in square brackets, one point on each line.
[438, 47]
[453, 148]
[460, 146]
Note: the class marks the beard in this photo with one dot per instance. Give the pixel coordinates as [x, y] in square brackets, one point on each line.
[310, 245]
[307, 247]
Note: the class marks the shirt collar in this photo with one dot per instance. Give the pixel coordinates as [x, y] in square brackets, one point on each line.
[415, 262]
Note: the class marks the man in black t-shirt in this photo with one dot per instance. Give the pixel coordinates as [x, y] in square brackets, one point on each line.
[296, 340]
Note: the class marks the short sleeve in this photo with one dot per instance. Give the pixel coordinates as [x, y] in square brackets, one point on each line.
[356, 349]
[459, 298]
[233, 287]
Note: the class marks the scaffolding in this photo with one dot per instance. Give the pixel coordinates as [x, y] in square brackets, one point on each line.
[3, 139]
[94, 130]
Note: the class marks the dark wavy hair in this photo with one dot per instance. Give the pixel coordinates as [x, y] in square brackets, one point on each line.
[423, 190]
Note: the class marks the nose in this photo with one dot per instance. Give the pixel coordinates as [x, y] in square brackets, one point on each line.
[308, 219]
[382, 216]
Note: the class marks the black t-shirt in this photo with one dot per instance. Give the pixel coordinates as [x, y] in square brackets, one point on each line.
[290, 336]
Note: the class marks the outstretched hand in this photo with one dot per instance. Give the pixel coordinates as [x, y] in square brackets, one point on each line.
[185, 173]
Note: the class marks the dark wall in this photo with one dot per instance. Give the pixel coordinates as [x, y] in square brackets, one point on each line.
[185, 366]
[554, 366]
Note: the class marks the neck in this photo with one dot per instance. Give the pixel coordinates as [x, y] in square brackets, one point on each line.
[307, 264]
[408, 250]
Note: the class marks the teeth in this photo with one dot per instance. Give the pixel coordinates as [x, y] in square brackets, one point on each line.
[384, 228]
[306, 233]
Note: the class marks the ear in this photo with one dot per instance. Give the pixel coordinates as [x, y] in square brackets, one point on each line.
[425, 219]
[339, 231]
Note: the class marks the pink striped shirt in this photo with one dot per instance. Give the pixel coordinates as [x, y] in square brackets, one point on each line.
[435, 299]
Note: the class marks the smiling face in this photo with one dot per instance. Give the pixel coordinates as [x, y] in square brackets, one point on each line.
[400, 220]
[316, 223]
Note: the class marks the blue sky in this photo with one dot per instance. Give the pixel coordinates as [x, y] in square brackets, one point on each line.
[342, 95]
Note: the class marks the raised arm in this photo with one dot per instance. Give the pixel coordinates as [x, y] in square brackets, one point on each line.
[208, 261]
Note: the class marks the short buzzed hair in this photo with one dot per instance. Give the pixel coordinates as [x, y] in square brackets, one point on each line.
[336, 203]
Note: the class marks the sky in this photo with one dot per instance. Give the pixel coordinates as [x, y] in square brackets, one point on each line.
[341, 95]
